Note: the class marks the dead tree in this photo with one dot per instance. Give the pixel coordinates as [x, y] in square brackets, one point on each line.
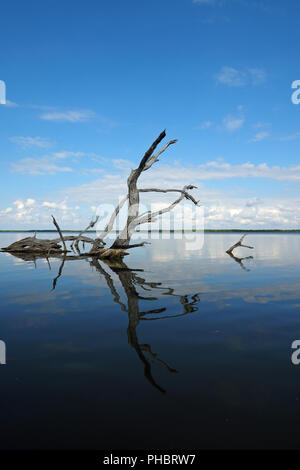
[134, 219]
[236, 258]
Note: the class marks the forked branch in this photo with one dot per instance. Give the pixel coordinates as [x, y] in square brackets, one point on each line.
[239, 243]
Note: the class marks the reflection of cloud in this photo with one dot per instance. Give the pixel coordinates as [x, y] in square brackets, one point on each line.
[257, 295]
[208, 270]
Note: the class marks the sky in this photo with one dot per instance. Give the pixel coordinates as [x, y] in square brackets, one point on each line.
[90, 85]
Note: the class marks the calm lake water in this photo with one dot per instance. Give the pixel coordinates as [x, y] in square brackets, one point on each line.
[186, 349]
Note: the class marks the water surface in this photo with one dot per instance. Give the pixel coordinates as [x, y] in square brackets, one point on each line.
[177, 349]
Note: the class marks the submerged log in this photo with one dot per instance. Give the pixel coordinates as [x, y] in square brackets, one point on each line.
[34, 245]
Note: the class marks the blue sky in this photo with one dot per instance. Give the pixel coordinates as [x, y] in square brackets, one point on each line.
[91, 84]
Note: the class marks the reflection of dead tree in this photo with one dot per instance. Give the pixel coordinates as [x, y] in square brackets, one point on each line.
[129, 280]
[134, 219]
[236, 258]
[240, 260]
[59, 273]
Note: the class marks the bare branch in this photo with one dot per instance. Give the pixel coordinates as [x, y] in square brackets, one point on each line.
[60, 234]
[76, 241]
[154, 158]
[239, 243]
[150, 217]
[112, 219]
[150, 151]
[75, 237]
[186, 194]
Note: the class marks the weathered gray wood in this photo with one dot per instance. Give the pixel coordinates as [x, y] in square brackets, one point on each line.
[77, 240]
[133, 218]
[239, 243]
[122, 241]
[60, 234]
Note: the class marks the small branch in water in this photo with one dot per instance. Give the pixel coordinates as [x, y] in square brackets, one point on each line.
[239, 243]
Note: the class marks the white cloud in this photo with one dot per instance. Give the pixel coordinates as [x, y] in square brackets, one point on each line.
[260, 136]
[223, 208]
[49, 164]
[205, 125]
[62, 206]
[254, 202]
[19, 204]
[38, 166]
[11, 104]
[261, 125]
[30, 141]
[231, 77]
[233, 123]
[258, 76]
[237, 78]
[6, 211]
[66, 154]
[290, 137]
[68, 116]
[122, 164]
[29, 202]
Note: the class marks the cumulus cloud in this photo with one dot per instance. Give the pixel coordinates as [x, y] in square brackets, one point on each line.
[29, 213]
[223, 209]
[254, 202]
[5, 211]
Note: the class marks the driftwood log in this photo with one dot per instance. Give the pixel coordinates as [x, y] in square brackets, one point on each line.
[134, 219]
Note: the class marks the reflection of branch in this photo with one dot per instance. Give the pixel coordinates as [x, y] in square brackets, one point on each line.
[147, 349]
[95, 262]
[240, 260]
[130, 281]
[59, 272]
[188, 307]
